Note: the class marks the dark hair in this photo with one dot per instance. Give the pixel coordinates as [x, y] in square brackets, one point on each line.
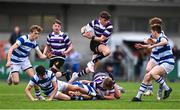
[155, 20]
[105, 15]
[57, 21]
[157, 28]
[108, 64]
[40, 70]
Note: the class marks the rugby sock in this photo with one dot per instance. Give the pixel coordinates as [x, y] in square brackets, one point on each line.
[150, 87]
[37, 93]
[98, 57]
[82, 73]
[162, 83]
[142, 88]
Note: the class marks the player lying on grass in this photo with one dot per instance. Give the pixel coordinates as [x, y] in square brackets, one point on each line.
[104, 88]
[164, 59]
[18, 53]
[108, 69]
[50, 86]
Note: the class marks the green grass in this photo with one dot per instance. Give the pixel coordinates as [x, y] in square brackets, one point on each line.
[13, 97]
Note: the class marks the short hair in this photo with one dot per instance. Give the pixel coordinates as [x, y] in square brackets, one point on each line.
[108, 64]
[57, 21]
[108, 83]
[157, 28]
[40, 70]
[155, 20]
[36, 27]
[105, 15]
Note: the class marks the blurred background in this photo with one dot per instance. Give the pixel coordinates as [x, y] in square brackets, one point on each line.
[130, 19]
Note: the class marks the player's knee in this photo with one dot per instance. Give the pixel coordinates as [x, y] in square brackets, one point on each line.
[107, 52]
[148, 76]
[16, 82]
[147, 70]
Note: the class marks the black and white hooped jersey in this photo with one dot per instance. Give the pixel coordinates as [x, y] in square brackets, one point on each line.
[163, 54]
[45, 84]
[58, 43]
[22, 52]
[99, 29]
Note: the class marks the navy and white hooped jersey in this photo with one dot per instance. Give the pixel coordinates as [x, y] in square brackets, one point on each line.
[88, 87]
[99, 29]
[163, 54]
[58, 43]
[22, 52]
[45, 84]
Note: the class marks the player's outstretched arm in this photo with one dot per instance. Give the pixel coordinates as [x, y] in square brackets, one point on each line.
[54, 83]
[161, 43]
[28, 92]
[40, 54]
[14, 46]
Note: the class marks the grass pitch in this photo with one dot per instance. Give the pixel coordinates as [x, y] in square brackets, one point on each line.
[13, 97]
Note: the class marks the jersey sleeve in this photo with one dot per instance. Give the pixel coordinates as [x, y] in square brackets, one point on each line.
[32, 82]
[91, 24]
[37, 48]
[67, 40]
[48, 40]
[21, 40]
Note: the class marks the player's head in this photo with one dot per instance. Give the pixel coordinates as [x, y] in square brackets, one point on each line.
[35, 30]
[104, 17]
[155, 20]
[56, 26]
[108, 67]
[108, 83]
[40, 71]
[156, 30]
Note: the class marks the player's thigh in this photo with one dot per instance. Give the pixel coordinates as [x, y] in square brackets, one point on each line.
[157, 70]
[61, 96]
[30, 72]
[151, 63]
[104, 49]
[14, 70]
[27, 67]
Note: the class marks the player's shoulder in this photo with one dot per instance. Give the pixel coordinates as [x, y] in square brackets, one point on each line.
[25, 37]
[50, 73]
[35, 78]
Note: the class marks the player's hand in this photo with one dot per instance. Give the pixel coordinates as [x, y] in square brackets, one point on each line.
[49, 55]
[8, 64]
[138, 46]
[49, 99]
[35, 99]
